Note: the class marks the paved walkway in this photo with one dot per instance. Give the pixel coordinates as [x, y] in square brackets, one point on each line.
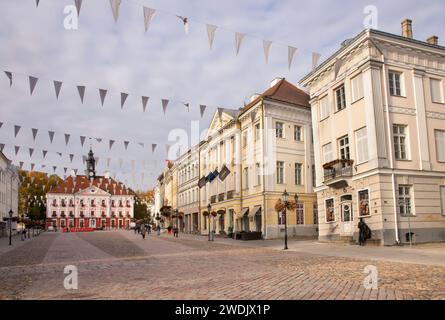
[121, 265]
[428, 254]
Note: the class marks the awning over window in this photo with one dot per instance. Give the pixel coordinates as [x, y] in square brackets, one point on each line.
[242, 213]
[255, 210]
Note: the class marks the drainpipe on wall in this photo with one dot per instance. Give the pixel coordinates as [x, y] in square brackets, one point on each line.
[264, 177]
[391, 161]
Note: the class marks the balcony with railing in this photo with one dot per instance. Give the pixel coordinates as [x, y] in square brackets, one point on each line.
[337, 173]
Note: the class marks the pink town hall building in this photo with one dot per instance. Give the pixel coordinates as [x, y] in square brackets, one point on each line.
[96, 202]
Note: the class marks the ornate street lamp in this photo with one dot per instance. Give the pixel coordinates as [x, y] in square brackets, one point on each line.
[285, 198]
[10, 227]
[209, 209]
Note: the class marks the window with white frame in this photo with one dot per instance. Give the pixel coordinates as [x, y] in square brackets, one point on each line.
[246, 177]
[357, 88]
[439, 136]
[436, 90]
[298, 133]
[328, 153]
[257, 132]
[298, 174]
[279, 130]
[280, 172]
[400, 141]
[330, 215]
[300, 213]
[361, 141]
[258, 174]
[324, 108]
[395, 83]
[343, 145]
[405, 203]
[442, 199]
[363, 203]
[340, 98]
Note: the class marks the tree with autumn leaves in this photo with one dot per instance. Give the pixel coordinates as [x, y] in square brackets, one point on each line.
[32, 194]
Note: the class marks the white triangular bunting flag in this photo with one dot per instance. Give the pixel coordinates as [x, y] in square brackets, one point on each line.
[238, 40]
[32, 83]
[102, 93]
[21, 166]
[57, 87]
[51, 136]
[98, 140]
[65, 169]
[67, 138]
[54, 169]
[164, 105]
[187, 105]
[148, 15]
[9, 75]
[266, 46]
[78, 4]
[2, 146]
[202, 108]
[211, 29]
[126, 144]
[37, 3]
[315, 60]
[82, 140]
[290, 55]
[153, 147]
[60, 154]
[71, 158]
[115, 8]
[141, 144]
[32, 166]
[144, 102]
[81, 90]
[44, 152]
[185, 21]
[124, 97]
[16, 130]
[111, 144]
[16, 149]
[31, 151]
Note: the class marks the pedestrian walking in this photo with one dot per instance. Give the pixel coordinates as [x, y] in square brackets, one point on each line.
[148, 228]
[175, 232]
[143, 230]
[158, 230]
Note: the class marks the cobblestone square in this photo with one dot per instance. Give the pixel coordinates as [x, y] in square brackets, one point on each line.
[121, 265]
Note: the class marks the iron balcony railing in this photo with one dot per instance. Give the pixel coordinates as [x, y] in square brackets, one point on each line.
[340, 168]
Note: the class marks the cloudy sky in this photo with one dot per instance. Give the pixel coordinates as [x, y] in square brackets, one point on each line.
[162, 63]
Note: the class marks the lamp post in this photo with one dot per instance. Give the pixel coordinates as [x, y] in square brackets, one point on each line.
[10, 227]
[285, 198]
[209, 208]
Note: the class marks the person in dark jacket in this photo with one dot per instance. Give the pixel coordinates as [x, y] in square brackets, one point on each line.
[364, 232]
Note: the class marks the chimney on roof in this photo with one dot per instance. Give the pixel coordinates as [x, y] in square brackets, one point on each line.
[275, 81]
[434, 40]
[407, 28]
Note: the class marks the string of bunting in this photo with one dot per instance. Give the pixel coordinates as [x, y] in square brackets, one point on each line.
[149, 14]
[81, 89]
[67, 138]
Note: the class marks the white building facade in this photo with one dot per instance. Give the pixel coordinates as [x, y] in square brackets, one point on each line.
[9, 186]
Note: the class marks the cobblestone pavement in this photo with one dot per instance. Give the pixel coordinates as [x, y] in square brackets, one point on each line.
[120, 265]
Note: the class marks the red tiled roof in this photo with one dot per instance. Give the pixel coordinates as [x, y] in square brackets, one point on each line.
[81, 182]
[282, 91]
